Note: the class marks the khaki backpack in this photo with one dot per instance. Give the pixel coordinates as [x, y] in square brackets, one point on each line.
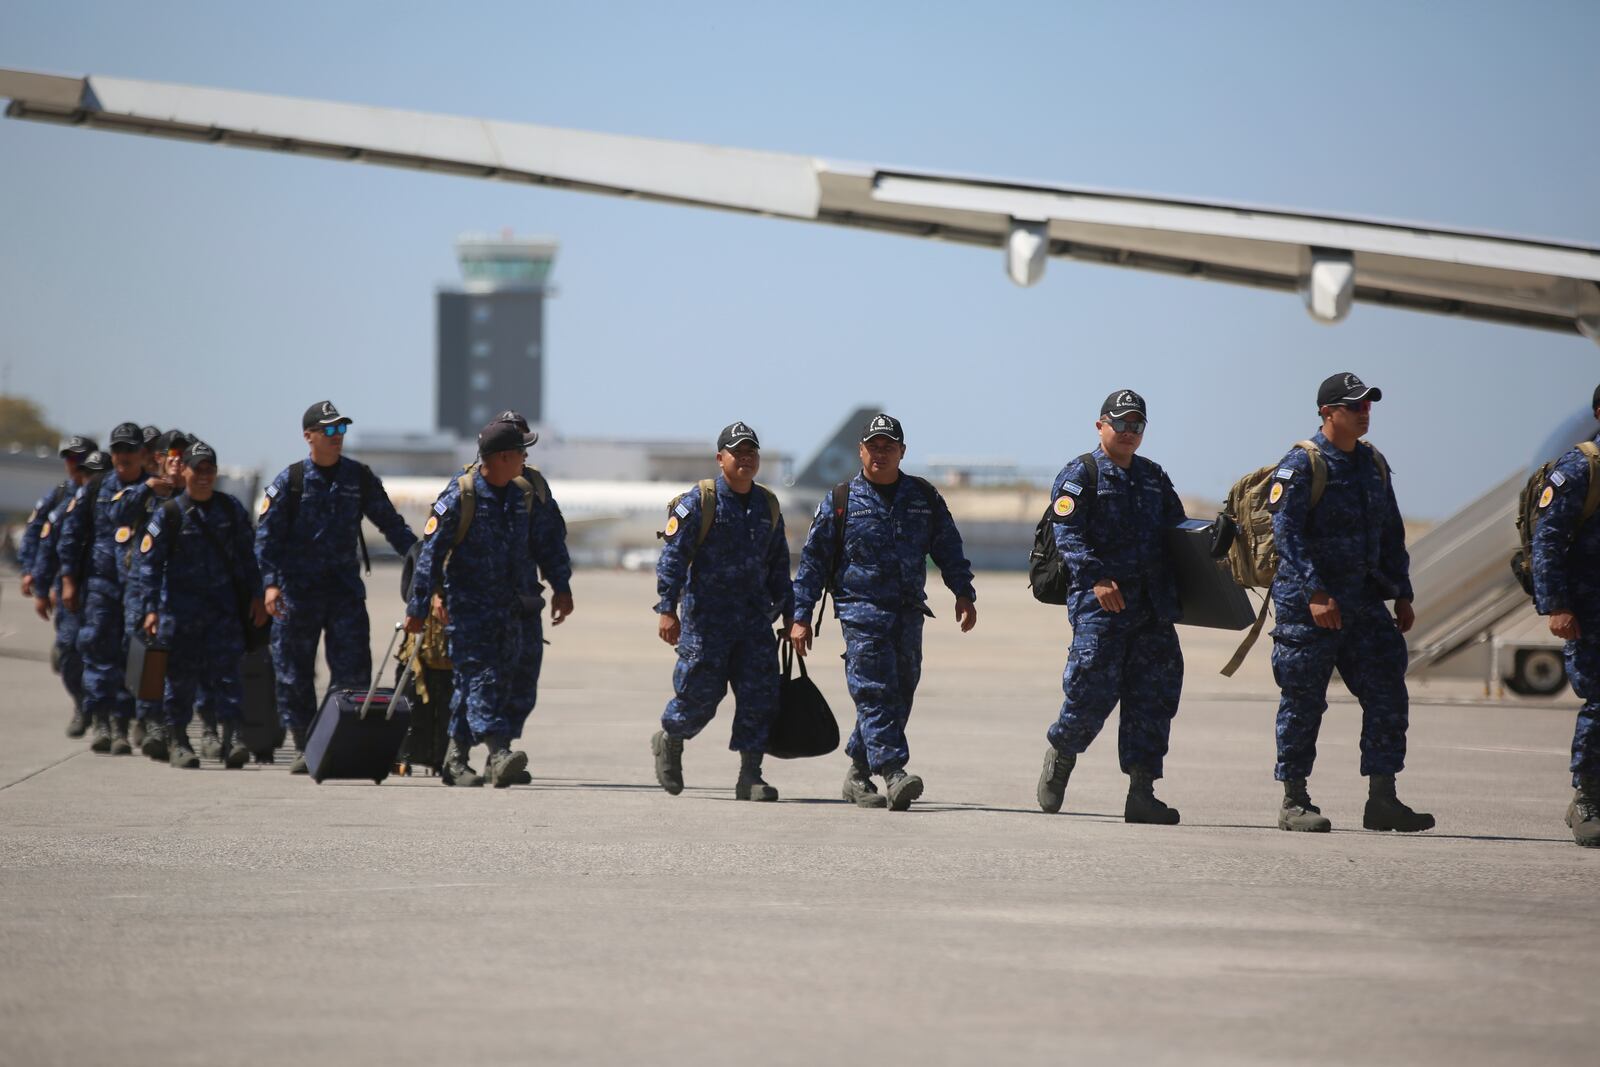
[1528, 510]
[707, 488]
[1253, 557]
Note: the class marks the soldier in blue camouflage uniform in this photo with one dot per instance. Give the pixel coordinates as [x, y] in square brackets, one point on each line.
[90, 552]
[718, 601]
[72, 452]
[1337, 564]
[1566, 586]
[1110, 526]
[306, 547]
[892, 524]
[488, 616]
[195, 560]
[45, 583]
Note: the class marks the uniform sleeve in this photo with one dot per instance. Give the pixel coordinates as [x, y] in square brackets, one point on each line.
[1171, 507]
[243, 554]
[816, 562]
[1394, 562]
[1292, 487]
[272, 531]
[947, 552]
[1070, 503]
[380, 510]
[29, 544]
[45, 565]
[438, 538]
[677, 549]
[155, 548]
[779, 586]
[548, 533]
[71, 548]
[1559, 515]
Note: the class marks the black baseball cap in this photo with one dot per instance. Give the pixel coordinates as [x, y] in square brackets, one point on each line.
[77, 445]
[1595, 400]
[516, 419]
[150, 433]
[322, 413]
[174, 439]
[881, 425]
[199, 452]
[127, 433]
[95, 462]
[1345, 388]
[1122, 403]
[735, 434]
[500, 437]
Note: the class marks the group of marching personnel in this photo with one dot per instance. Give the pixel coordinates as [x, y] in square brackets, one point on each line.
[138, 540]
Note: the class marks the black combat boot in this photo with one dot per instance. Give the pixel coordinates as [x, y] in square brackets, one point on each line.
[100, 734]
[1052, 791]
[455, 769]
[858, 787]
[78, 725]
[1583, 814]
[235, 754]
[1385, 812]
[210, 743]
[505, 764]
[751, 786]
[902, 788]
[120, 745]
[1298, 813]
[1142, 805]
[179, 754]
[299, 764]
[155, 742]
[669, 761]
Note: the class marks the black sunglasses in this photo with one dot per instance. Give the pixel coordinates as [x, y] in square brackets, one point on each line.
[1126, 425]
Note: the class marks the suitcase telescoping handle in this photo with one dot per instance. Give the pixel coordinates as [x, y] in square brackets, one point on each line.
[378, 674]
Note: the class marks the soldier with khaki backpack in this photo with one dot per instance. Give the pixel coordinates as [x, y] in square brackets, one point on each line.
[723, 580]
[1322, 530]
[1565, 557]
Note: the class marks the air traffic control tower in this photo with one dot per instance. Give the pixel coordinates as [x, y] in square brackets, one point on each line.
[491, 332]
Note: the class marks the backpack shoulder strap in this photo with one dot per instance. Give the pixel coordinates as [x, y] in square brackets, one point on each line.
[526, 488]
[1591, 502]
[469, 504]
[541, 488]
[708, 509]
[774, 512]
[294, 491]
[1091, 472]
[1319, 469]
[1377, 457]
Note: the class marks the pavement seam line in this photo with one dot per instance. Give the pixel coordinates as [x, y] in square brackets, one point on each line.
[41, 770]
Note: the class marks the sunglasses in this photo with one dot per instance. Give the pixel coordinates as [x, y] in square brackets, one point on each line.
[1362, 406]
[1126, 425]
[337, 430]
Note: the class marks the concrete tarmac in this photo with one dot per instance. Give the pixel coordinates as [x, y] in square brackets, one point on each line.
[154, 916]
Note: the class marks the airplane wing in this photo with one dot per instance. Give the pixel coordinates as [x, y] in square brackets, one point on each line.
[1330, 261]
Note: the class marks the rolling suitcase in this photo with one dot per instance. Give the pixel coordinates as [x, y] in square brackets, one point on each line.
[259, 725]
[358, 734]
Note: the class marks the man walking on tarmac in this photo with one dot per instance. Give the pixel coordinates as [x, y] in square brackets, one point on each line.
[306, 541]
[869, 543]
[1566, 586]
[723, 580]
[1339, 559]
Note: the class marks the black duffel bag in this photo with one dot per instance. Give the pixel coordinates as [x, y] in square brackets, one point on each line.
[805, 725]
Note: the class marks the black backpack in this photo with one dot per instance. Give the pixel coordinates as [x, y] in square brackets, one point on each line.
[297, 489]
[1048, 575]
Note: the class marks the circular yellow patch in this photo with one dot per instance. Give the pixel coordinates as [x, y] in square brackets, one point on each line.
[123, 533]
[432, 525]
[118, 495]
[1064, 506]
[46, 531]
[266, 502]
[1545, 497]
[672, 525]
[144, 546]
[1276, 494]
[73, 504]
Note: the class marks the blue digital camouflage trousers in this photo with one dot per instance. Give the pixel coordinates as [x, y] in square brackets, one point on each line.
[708, 664]
[103, 645]
[1583, 669]
[882, 666]
[204, 681]
[69, 661]
[1370, 654]
[1129, 657]
[339, 619]
[496, 676]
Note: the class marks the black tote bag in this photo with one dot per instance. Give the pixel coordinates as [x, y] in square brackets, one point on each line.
[805, 725]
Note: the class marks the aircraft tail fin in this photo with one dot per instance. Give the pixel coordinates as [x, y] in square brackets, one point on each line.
[838, 459]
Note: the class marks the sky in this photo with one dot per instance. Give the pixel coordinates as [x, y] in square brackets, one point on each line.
[224, 290]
